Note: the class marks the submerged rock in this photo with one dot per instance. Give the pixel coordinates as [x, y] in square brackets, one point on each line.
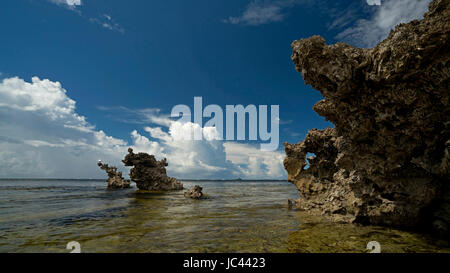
[115, 179]
[195, 192]
[387, 159]
[150, 174]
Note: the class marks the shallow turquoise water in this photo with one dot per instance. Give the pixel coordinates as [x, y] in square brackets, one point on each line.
[236, 216]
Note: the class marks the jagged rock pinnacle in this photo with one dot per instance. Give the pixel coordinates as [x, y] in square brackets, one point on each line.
[115, 179]
[150, 174]
[386, 161]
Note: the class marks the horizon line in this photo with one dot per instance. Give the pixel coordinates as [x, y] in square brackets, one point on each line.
[181, 179]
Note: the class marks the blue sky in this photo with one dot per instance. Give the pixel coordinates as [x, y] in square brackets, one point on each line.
[125, 64]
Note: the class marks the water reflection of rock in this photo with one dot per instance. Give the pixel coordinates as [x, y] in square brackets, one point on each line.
[150, 174]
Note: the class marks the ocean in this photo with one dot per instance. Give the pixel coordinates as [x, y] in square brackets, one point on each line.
[38, 215]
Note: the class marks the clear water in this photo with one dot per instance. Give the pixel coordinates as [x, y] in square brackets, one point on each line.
[236, 216]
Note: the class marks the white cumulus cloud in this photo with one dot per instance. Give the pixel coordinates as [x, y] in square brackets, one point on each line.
[41, 134]
[254, 163]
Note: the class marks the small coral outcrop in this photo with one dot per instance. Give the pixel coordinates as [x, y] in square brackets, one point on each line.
[115, 179]
[194, 193]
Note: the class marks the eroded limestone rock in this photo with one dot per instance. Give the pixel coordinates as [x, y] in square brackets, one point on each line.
[115, 178]
[387, 160]
[150, 174]
[195, 192]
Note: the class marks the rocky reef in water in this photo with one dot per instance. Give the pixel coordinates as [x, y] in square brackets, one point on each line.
[194, 193]
[150, 174]
[115, 178]
[387, 159]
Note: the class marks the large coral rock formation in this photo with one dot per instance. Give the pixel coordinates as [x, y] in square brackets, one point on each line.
[150, 174]
[387, 159]
[115, 178]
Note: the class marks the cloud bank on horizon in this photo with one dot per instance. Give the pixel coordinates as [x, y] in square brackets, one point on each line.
[42, 135]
